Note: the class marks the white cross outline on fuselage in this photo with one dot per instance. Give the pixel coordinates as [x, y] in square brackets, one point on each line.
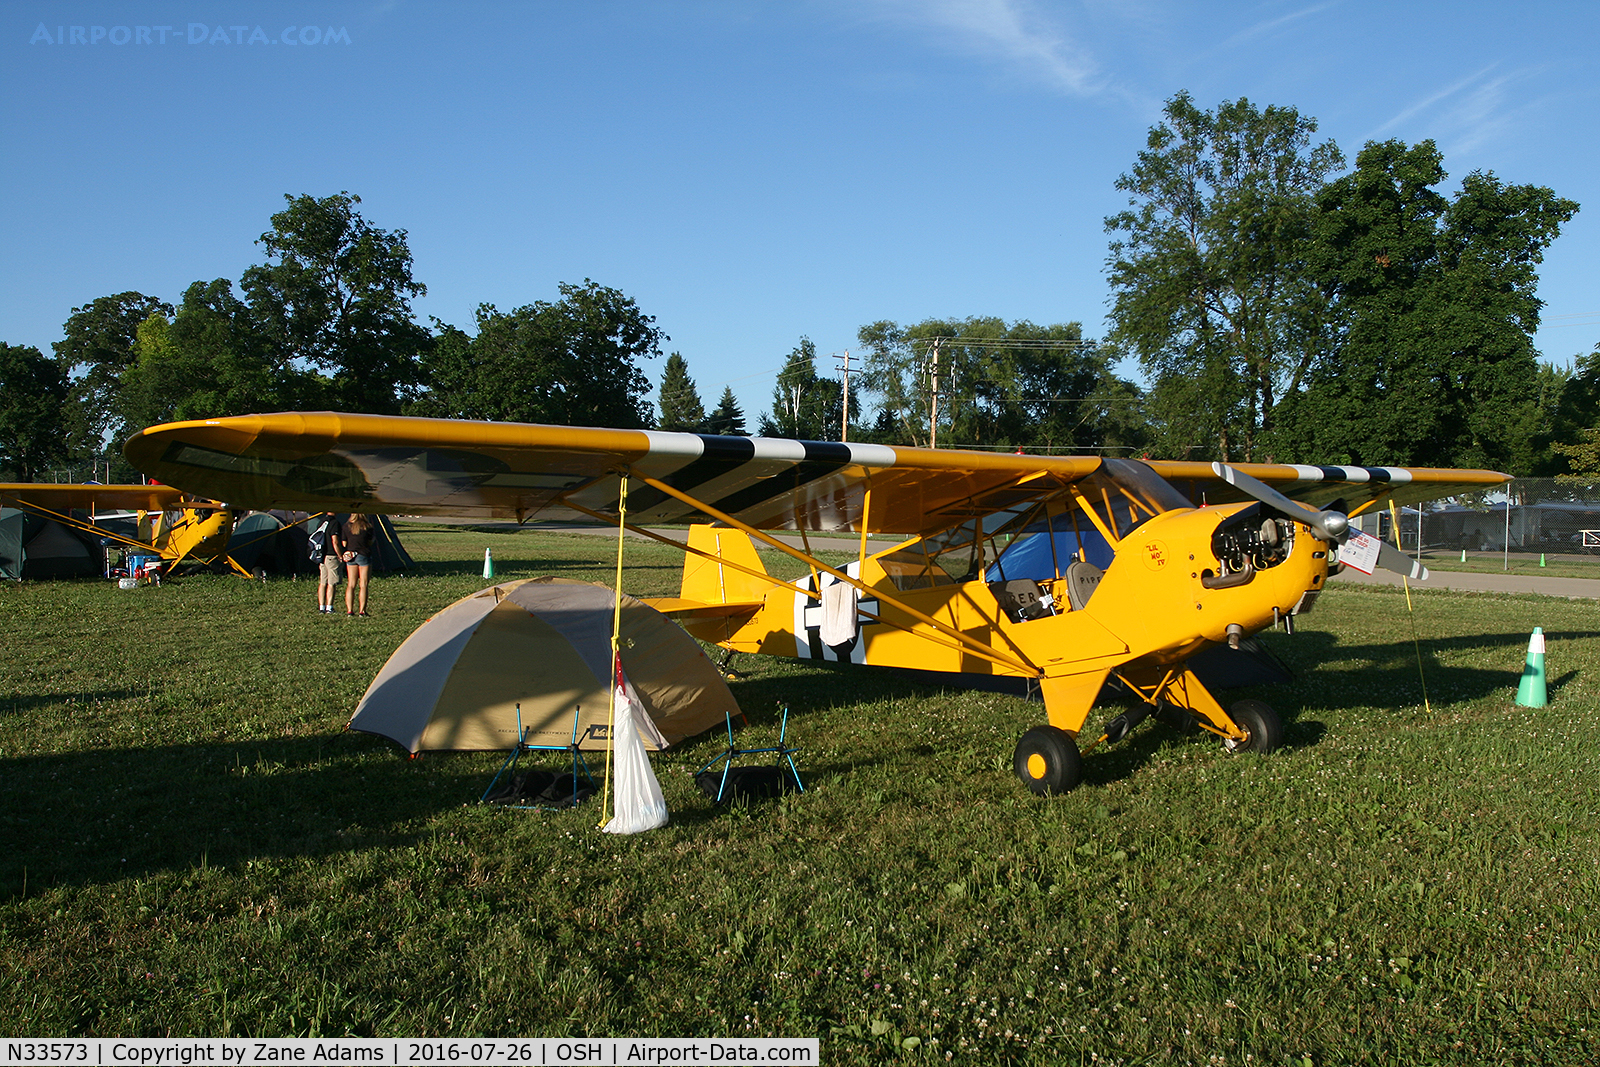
[811, 626]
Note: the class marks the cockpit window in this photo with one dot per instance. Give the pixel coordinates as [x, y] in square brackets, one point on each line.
[1044, 548]
[1125, 494]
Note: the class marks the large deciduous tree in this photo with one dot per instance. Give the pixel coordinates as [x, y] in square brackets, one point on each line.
[33, 392]
[1209, 290]
[573, 362]
[336, 295]
[1427, 357]
[211, 360]
[96, 350]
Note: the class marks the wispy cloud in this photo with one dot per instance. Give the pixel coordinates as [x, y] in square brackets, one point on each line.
[1271, 26]
[1469, 112]
[1013, 33]
[1429, 101]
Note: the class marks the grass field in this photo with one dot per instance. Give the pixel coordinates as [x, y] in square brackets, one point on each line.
[1570, 565]
[190, 845]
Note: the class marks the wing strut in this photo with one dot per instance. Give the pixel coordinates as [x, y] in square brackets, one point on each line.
[971, 644]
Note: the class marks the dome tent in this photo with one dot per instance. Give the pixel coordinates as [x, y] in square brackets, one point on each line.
[543, 643]
[36, 546]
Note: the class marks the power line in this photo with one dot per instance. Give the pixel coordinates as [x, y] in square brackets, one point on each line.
[1000, 342]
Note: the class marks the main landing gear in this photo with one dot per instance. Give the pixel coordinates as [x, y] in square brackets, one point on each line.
[1047, 760]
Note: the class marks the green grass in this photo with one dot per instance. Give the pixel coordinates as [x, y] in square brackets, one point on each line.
[190, 845]
[1524, 563]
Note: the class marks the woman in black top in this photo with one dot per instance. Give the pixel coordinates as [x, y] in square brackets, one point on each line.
[356, 536]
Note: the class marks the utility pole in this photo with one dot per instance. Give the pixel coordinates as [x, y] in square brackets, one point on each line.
[844, 421]
[933, 415]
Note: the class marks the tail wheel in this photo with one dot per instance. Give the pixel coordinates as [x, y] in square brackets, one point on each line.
[1263, 729]
[1047, 761]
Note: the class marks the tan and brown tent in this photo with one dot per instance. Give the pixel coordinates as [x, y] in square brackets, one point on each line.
[544, 643]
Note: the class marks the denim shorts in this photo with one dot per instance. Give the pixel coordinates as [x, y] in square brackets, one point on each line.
[359, 561]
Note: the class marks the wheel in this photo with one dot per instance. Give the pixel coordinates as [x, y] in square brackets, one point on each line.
[1047, 761]
[1263, 728]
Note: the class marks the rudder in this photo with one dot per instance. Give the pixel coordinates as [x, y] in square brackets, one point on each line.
[713, 581]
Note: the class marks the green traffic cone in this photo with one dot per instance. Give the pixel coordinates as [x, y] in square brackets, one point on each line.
[1463, 555]
[1541, 559]
[1531, 689]
[488, 566]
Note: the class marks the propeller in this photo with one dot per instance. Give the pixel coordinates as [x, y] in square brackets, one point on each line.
[1330, 526]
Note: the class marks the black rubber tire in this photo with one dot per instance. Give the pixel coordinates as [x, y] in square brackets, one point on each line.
[1261, 723]
[1047, 761]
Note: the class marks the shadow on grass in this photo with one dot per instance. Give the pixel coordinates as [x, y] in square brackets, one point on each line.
[91, 817]
[1335, 675]
[1330, 676]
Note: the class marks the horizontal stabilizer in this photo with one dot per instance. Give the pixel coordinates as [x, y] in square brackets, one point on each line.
[681, 610]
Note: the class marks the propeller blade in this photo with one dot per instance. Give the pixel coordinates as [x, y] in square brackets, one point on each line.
[1391, 558]
[1329, 525]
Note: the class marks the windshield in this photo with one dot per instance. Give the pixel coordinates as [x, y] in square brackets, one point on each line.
[1125, 494]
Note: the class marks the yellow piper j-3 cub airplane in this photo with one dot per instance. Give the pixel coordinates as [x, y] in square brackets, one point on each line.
[1067, 571]
[172, 524]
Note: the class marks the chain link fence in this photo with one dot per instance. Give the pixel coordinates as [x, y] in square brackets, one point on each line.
[1526, 518]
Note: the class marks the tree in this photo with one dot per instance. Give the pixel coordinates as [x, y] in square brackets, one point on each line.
[1208, 287]
[95, 351]
[804, 406]
[1575, 425]
[573, 363]
[336, 296]
[211, 361]
[33, 392]
[680, 405]
[1427, 355]
[1041, 387]
[728, 418]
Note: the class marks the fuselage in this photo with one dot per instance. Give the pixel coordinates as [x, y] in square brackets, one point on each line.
[1178, 583]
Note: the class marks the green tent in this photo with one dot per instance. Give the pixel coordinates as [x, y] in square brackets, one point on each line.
[11, 543]
[271, 542]
[388, 553]
[32, 546]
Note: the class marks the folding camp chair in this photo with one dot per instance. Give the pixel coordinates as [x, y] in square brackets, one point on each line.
[522, 745]
[784, 751]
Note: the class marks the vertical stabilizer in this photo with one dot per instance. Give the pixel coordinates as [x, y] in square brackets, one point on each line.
[720, 580]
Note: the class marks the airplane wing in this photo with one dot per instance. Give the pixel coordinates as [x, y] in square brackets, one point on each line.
[58, 499]
[1358, 487]
[326, 461]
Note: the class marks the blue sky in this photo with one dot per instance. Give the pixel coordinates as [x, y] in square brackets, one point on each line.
[748, 172]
